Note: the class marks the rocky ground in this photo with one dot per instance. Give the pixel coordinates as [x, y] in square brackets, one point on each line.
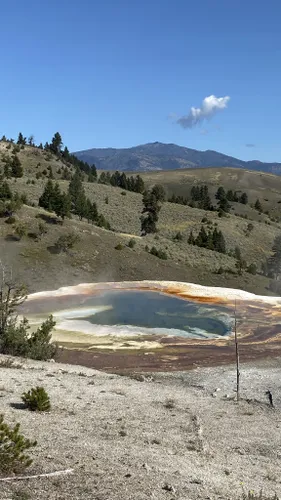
[179, 436]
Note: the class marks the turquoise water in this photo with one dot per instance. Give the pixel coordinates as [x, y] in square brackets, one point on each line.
[155, 310]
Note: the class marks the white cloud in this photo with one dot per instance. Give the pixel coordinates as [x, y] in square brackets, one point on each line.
[209, 107]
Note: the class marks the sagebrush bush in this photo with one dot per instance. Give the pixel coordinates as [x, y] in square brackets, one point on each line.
[251, 495]
[13, 446]
[119, 246]
[67, 241]
[131, 243]
[10, 220]
[37, 399]
[161, 254]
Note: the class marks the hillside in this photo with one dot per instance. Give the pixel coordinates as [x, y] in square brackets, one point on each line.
[95, 257]
[159, 156]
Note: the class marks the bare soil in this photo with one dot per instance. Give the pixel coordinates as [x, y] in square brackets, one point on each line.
[179, 436]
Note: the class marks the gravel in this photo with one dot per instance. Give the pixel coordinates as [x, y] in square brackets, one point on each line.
[169, 436]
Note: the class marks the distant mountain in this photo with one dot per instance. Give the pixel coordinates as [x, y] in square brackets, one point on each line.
[159, 156]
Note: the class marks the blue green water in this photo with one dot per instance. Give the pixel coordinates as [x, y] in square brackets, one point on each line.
[155, 310]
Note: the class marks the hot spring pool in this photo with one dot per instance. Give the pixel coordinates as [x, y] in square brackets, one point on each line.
[136, 312]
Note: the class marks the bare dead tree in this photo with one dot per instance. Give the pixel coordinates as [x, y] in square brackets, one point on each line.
[12, 295]
[236, 355]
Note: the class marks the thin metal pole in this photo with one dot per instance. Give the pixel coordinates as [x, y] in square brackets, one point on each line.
[237, 355]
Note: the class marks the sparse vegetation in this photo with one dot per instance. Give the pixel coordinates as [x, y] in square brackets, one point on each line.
[67, 241]
[13, 448]
[37, 399]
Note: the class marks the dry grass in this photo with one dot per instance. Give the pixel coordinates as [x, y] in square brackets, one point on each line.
[95, 257]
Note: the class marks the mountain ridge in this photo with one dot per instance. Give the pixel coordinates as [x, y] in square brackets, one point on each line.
[162, 156]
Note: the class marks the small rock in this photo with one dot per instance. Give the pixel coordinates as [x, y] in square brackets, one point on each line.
[169, 487]
[196, 480]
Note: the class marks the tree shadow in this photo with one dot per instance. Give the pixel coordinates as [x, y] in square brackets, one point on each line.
[53, 249]
[11, 237]
[49, 219]
[32, 235]
[18, 406]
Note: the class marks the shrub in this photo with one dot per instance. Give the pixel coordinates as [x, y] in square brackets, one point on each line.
[37, 399]
[161, 254]
[67, 241]
[251, 495]
[178, 236]
[252, 269]
[123, 193]
[204, 220]
[220, 270]
[20, 230]
[106, 200]
[13, 446]
[119, 247]
[10, 220]
[131, 243]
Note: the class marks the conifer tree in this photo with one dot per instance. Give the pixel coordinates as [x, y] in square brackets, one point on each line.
[258, 206]
[46, 200]
[243, 198]
[151, 209]
[16, 168]
[220, 194]
[56, 144]
[273, 263]
[21, 140]
[191, 239]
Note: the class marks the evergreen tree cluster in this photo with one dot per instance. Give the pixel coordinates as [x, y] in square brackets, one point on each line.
[200, 197]
[55, 147]
[73, 202]
[212, 240]
[135, 184]
[53, 200]
[9, 202]
[12, 166]
[180, 200]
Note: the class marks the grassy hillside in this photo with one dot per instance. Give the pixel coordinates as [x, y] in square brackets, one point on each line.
[95, 258]
[266, 187]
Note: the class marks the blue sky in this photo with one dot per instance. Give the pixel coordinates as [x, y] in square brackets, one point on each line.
[113, 72]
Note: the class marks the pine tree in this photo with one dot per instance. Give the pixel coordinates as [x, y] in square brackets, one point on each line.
[273, 263]
[224, 206]
[139, 184]
[243, 198]
[220, 194]
[80, 205]
[56, 144]
[191, 239]
[202, 238]
[31, 140]
[151, 209]
[230, 195]
[21, 140]
[16, 168]
[5, 192]
[159, 192]
[46, 200]
[220, 243]
[258, 206]
[75, 186]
